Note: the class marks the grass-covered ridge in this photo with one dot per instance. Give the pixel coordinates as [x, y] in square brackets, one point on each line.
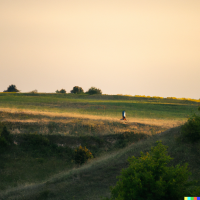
[101, 105]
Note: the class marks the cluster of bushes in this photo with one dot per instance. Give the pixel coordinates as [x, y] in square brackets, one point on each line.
[75, 90]
[62, 91]
[79, 90]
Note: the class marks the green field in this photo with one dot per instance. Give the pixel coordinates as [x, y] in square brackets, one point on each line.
[30, 170]
[101, 105]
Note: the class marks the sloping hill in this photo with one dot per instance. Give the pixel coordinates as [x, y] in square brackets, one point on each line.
[92, 180]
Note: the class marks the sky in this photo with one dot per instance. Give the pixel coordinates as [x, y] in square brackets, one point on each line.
[134, 47]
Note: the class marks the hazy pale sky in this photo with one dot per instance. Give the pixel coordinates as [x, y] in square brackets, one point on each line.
[136, 47]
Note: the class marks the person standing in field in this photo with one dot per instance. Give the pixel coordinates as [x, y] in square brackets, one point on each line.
[123, 115]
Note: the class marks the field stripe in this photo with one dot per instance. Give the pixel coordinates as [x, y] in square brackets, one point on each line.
[158, 122]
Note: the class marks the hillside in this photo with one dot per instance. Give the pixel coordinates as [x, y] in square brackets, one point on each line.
[46, 129]
[92, 180]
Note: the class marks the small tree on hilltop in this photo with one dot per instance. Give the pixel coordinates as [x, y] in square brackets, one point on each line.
[149, 177]
[77, 90]
[94, 90]
[63, 91]
[12, 88]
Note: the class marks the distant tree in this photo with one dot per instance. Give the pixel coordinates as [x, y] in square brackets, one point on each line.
[94, 90]
[63, 91]
[11, 88]
[34, 92]
[77, 90]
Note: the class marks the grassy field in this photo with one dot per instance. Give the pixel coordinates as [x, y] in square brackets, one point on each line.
[101, 105]
[30, 171]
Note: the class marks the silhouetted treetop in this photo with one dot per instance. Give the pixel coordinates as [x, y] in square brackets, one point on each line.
[11, 88]
[63, 91]
[77, 90]
[94, 90]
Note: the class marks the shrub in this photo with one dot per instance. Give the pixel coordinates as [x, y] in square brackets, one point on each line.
[94, 90]
[82, 155]
[62, 91]
[77, 90]
[12, 88]
[190, 131]
[148, 177]
[33, 92]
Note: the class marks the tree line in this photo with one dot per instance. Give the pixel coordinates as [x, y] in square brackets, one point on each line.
[75, 90]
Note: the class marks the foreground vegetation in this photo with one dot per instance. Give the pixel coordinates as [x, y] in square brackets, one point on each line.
[149, 177]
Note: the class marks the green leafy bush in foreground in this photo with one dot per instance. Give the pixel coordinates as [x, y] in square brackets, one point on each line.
[190, 131]
[148, 177]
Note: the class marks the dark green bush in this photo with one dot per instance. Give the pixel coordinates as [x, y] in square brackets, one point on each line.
[77, 90]
[94, 90]
[11, 88]
[82, 155]
[190, 131]
[62, 91]
[148, 177]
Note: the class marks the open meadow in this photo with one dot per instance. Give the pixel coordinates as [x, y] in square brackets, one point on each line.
[47, 128]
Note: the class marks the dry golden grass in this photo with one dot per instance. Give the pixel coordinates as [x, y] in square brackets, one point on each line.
[165, 123]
